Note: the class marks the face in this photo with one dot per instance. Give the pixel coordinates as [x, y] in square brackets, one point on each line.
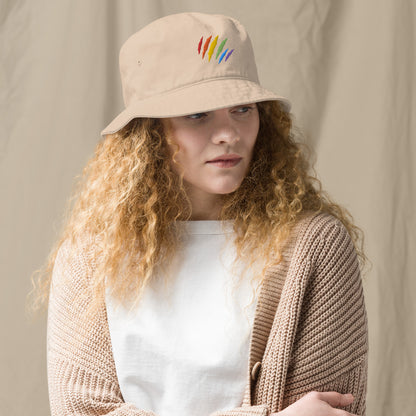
[215, 148]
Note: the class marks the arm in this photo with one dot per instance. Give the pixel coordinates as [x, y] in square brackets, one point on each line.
[82, 377]
[330, 352]
[258, 410]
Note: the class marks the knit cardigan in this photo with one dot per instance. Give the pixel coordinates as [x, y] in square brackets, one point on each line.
[309, 332]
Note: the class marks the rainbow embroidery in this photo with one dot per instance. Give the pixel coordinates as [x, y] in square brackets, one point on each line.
[211, 48]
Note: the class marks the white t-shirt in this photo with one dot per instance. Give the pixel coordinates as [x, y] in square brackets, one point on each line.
[184, 351]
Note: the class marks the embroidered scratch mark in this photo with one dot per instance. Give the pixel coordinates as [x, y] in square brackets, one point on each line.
[220, 48]
[200, 44]
[206, 46]
[209, 49]
[212, 47]
[229, 53]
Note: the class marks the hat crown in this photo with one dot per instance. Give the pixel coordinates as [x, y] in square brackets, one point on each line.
[184, 49]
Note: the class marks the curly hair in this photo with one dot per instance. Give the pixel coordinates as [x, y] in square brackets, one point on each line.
[128, 200]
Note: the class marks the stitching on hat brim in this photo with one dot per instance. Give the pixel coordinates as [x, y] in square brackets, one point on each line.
[198, 83]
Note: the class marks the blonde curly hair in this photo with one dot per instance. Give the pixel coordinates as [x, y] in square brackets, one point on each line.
[128, 199]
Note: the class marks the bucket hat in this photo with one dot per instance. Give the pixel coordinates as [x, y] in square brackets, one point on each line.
[188, 63]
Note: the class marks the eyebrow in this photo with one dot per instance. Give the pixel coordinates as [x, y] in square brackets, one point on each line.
[234, 106]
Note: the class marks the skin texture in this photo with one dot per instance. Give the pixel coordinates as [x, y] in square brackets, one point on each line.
[319, 404]
[205, 136]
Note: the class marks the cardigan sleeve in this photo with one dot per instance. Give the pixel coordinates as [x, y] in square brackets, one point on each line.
[82, 378]
[330, 351]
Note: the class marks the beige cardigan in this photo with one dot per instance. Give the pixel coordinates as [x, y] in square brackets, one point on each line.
[309, 333]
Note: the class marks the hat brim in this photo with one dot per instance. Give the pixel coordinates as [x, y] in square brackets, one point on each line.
[205, 96]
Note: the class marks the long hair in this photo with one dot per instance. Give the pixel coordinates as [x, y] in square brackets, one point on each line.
[128, 199]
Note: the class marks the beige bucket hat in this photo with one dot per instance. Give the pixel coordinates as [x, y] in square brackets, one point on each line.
[188, 63]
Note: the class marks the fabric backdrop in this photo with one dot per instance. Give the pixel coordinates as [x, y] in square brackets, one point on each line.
[349, 68]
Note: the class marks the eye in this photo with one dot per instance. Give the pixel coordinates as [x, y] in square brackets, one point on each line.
[244, 109]
[196, 116]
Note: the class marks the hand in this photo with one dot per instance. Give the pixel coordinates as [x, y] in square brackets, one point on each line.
[317, 403]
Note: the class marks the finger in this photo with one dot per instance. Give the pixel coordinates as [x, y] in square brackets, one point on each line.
[340, 412]
[334, 398]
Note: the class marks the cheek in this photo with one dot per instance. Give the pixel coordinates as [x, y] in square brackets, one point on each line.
[185, 154]
[191, 147]
[253, 132]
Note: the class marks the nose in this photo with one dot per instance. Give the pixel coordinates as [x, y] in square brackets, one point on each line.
[224, 129]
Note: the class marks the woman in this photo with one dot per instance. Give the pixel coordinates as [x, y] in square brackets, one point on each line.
[201, 272]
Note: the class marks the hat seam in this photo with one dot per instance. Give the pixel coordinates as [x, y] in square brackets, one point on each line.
[193, 84]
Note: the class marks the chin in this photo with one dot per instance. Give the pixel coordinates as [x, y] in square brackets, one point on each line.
[224, 190]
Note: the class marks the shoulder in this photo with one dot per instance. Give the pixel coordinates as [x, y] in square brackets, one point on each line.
[83, 249]
[320, 235]
[76, 260]
[321, 224]
[73, 281]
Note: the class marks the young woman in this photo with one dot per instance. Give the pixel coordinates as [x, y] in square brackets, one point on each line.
[202, 270]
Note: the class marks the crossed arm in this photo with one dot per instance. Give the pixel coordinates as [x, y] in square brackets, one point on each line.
[82, 377]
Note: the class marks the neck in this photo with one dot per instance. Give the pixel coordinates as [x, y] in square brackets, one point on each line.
[205, 206]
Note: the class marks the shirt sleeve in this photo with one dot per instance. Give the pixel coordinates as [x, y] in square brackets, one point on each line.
[82, 378]
[330, 352]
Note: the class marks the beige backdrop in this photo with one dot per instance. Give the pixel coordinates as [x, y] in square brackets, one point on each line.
[348, 66]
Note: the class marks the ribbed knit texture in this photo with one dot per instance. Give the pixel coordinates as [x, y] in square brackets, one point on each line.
[309, 333]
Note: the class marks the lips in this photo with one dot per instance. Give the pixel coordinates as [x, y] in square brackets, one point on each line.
[225, 161]
[228, 156]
